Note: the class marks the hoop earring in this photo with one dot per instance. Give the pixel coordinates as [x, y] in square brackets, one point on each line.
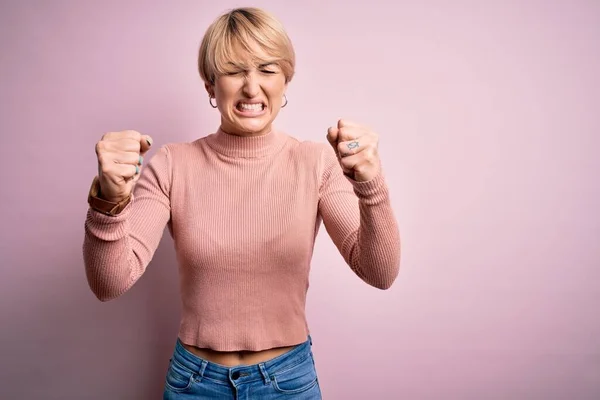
[286, 101]
[210, 102]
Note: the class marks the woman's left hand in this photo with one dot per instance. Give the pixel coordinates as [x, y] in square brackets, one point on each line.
[356, 148]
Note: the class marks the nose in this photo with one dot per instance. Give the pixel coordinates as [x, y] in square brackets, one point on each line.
[251, 86]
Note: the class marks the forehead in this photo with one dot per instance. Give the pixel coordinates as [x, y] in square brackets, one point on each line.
[250, 54]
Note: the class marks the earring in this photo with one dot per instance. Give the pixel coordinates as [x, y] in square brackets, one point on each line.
[210, 98]
[286, 101]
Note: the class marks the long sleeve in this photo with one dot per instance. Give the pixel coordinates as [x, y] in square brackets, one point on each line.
[359, 219]
[117, 249]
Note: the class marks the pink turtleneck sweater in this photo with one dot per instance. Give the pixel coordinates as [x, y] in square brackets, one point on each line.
[243, 213]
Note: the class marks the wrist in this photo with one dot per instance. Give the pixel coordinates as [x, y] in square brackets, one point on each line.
[101, 196]
[106, 206]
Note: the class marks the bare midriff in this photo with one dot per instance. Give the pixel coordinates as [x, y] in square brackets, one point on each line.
[235, 358]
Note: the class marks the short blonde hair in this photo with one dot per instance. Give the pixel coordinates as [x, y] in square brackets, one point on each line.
[244, 27]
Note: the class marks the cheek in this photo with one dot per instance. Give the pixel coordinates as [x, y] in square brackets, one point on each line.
[224, 96]
[226, 89]
[276, 88]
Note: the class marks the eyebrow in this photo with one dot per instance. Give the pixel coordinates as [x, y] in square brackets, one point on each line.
[261, 65]
[267, 64]
[236, 65]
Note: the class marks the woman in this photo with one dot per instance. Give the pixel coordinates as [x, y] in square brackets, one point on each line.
[243, 206]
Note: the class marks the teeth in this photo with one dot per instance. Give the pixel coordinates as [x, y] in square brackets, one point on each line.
[251, 107]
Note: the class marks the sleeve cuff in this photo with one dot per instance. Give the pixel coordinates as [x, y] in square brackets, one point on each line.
[373, 188]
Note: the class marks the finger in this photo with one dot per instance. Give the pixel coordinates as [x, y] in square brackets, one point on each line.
[115, 136]
[125, 171]
[121, 145]
[352, 162]
[145, 144]
[352, 147]
[128, 157]
[349, 163]
[116, 169]
[332, 136]
[348, 133]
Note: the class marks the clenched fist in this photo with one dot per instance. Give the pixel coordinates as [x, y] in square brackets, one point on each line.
[356, 148]
[120, 159]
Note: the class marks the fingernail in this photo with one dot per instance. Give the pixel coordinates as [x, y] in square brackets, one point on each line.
[141, 160]
[149, 141]
[137, 170]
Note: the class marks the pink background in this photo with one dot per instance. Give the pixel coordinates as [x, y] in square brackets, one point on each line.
[489, 129]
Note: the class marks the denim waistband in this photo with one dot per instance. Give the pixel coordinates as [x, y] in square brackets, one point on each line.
[242, 373]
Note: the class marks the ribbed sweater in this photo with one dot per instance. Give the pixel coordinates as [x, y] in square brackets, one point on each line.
[244, 213]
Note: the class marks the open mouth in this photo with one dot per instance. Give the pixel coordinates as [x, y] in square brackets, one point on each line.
[250, 107]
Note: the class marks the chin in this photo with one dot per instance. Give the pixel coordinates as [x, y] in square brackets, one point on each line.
[253, 127]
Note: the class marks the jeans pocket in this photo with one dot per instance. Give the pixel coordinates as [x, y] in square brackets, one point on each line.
[179, 378]
[298, 379]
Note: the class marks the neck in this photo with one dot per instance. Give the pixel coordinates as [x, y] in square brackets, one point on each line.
[243, 145]
[230, 130]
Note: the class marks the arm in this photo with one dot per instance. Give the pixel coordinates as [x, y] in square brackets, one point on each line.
[359, 219]
[117, 249]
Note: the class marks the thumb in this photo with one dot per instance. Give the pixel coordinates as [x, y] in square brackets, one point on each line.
[145, 144]
[332, 136]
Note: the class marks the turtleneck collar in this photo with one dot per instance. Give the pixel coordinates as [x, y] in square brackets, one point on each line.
[246, 146]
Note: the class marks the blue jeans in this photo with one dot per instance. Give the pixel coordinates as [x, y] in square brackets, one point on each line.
[291, 375]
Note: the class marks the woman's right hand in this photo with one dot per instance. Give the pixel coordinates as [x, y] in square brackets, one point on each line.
[120, 158]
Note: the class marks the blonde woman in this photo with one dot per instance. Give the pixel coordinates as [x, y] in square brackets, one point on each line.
[243, 205]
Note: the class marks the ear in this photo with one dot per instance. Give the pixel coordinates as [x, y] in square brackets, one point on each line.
[210, 88]
[285, 89]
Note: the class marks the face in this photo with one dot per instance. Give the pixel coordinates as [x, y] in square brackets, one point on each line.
[249, 96]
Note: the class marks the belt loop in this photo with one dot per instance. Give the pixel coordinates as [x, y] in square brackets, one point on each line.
[202, 368]
[265, 374]
[310, 339]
